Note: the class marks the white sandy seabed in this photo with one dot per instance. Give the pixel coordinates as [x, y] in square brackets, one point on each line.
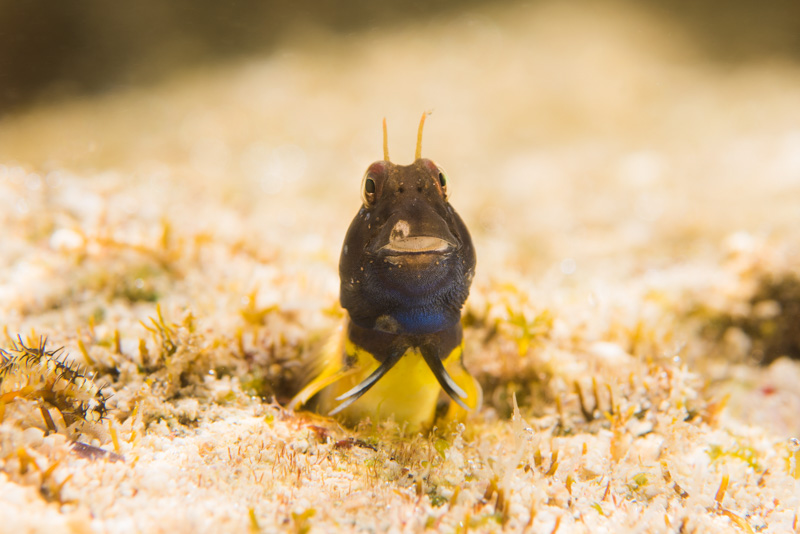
[627, 196]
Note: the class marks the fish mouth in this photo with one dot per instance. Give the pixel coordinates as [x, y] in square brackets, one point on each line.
[417, 245]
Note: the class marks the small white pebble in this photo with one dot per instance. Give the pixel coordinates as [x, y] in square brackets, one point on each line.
[767, 309]
[739, 243]
[65, 239]
[611, 352]
[33, 436]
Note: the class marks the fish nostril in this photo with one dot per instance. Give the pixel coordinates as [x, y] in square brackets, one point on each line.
[400, 190]
[400, 231]
[419, 189]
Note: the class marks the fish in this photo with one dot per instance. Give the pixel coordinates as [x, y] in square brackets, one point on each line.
[406, 267]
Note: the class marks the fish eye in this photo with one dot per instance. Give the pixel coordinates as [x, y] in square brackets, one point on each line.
[443, 183]
[368, 189]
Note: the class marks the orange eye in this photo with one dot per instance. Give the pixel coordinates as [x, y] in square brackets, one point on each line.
[443, 183]
[368, 189]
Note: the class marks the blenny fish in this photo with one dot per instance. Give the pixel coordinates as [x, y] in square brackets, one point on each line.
[406, 267]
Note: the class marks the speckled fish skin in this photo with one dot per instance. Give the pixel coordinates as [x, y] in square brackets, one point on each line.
[406, 267]
[419, 285]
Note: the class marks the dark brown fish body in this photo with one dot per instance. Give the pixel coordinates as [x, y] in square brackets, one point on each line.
[406, 267]
[407, 261]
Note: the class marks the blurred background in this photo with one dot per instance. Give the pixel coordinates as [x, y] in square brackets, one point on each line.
[52, 51]
[606, 155]
[585, 139]
[629, 171]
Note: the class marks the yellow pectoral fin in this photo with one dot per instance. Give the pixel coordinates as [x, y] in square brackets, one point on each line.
[332, 371]
[408, 391]
[325, 379]
[460, 375]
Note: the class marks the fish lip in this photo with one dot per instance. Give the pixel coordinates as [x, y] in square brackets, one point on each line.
[417, 245]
